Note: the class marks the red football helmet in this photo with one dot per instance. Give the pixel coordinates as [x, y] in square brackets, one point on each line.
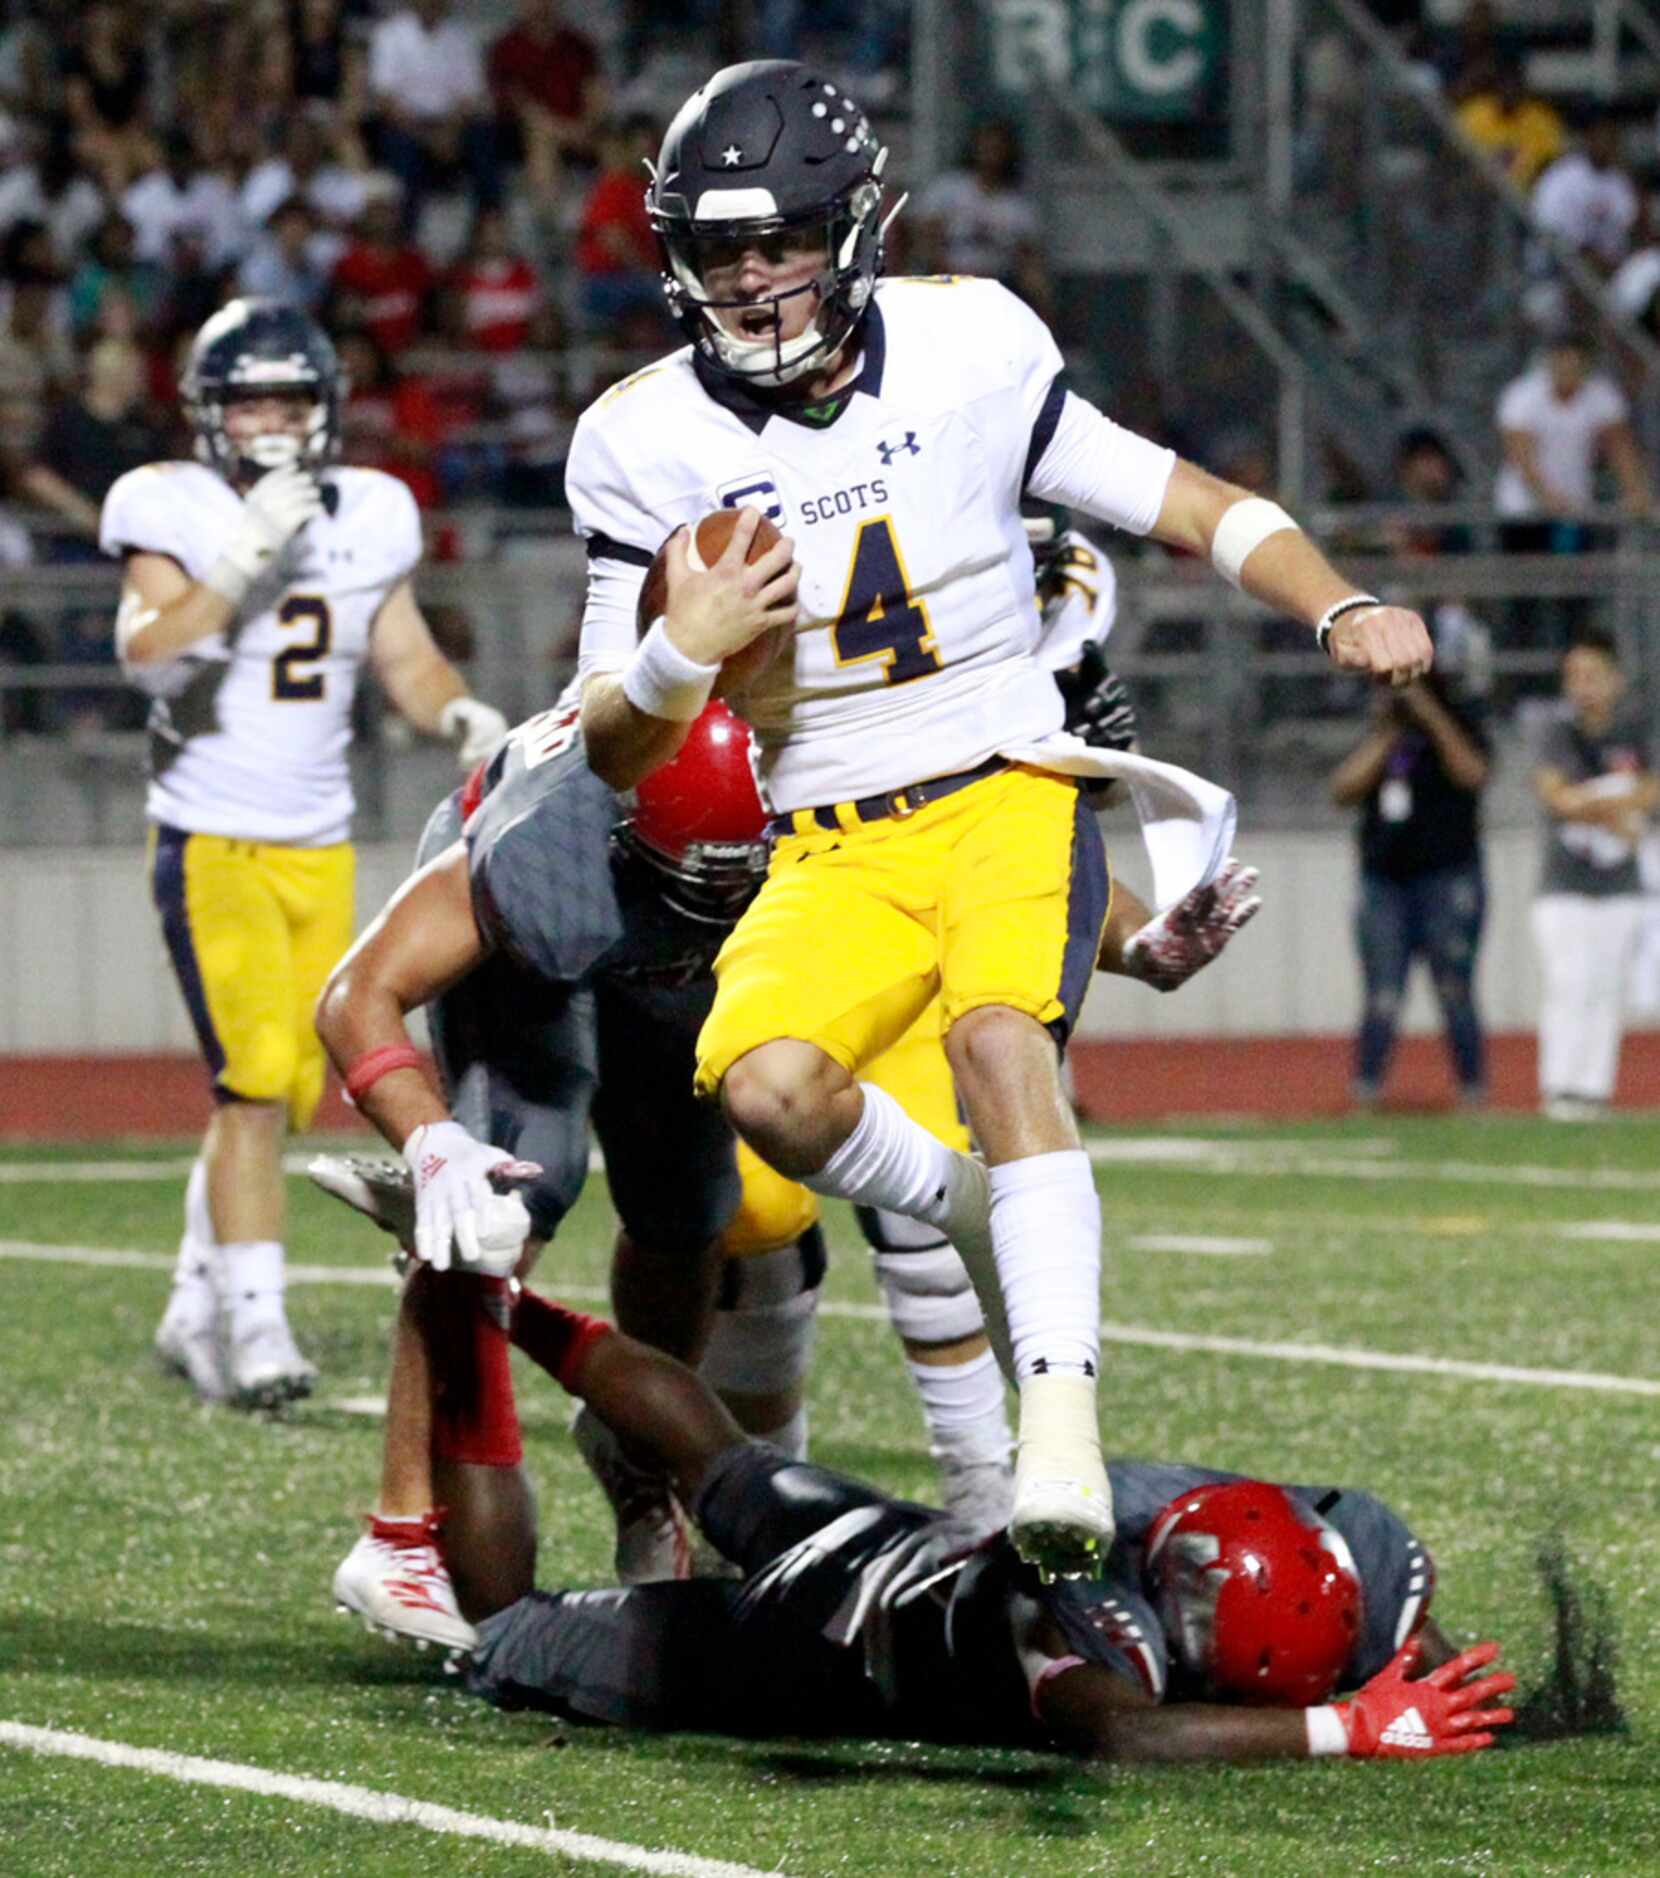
[698, 821]
[1258, 1594]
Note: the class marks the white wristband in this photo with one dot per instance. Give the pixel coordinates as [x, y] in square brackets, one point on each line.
[1326, 1733]
[1243, 528]
[228, 580]
[661, 681]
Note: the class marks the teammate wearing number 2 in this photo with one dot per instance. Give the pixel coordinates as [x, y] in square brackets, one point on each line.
[257, 582]
[927, 845]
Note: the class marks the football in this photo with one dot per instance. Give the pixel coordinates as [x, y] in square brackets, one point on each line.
[708, 544]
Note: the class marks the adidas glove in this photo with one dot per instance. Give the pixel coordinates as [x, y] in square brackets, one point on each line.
[475, 728]
[1098, 707]
[273, 512]
[460, 1200]
[1184, 938]
[1392, 1718]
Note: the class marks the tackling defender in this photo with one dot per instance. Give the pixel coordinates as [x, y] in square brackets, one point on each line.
[911, 750]
[1230, 1613]
[563, 944]
[256, 583]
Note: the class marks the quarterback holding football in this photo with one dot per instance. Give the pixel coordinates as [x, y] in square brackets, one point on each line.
[933, 839]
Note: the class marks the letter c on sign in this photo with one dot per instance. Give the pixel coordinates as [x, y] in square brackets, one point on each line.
[1137, 24]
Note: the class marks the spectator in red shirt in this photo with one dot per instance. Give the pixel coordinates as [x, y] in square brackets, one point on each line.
[494, 292]
[381, 283]
[546, 80]
[616, 251]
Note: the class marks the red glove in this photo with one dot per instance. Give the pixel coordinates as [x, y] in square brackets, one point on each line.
[1184, 938]
[1441, 1713]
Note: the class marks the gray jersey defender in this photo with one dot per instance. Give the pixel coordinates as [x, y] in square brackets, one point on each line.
[587, 1009]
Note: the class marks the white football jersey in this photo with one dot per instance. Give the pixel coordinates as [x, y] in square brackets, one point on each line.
[249, 729]
[916, 648]
[1083, 606]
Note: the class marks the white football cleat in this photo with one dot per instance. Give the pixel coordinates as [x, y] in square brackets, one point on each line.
[188, 1345]
[978, 1493]
[266, 1367]
[379, 1188]
[1062, 1521]
[401, 1587]
[654, 1536]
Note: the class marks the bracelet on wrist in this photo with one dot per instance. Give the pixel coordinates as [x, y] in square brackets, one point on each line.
[1333, 613]
[365, 1071]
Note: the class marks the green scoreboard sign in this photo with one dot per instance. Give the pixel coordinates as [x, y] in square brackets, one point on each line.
[1127, 59]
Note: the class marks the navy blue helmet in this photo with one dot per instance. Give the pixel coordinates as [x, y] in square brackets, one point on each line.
[764, 150]
[261, 348]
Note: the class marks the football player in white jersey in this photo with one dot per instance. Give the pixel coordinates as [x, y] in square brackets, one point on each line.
[256, 584]
[931, 840]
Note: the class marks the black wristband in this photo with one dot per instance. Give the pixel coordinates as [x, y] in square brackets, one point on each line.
[1332, 614]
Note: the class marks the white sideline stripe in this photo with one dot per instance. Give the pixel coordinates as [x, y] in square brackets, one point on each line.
[25, 1173]
[1209, 1243]
[1380, 1359]
[1218, 1157]
[383, 1809]
[1624, 1231]
[1134, 1334]
[1358, 1160]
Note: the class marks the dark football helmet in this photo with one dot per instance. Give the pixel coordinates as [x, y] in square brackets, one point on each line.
[698, 824]
[256, 349]
[1259, 1596]
[764, 150]
[1046, 525]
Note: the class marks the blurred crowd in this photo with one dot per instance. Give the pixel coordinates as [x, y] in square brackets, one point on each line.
[456, 191]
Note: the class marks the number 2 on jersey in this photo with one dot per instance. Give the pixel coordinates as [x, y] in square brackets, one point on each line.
[285, 681]
[879, 619]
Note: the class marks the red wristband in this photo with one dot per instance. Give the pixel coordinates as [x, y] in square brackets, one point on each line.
[362, 1076]
[1052, 1668]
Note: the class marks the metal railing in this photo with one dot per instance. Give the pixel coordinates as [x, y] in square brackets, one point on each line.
[1219, 684]
[1432, 236]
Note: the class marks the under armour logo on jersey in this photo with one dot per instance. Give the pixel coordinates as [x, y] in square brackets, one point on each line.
[890, 450]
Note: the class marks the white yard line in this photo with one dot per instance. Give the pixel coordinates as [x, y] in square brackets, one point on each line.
[1209, 1244]
[27, 1173]
[1346, 1358]
[1621, 1231]
[383, 1809]
[1362, 1159]
[1222, 1157]
[1134, 1334]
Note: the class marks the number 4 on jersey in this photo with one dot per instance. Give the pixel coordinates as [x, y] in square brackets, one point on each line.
[879, 619]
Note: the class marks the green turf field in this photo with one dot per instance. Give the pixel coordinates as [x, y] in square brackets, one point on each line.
[164, 1568]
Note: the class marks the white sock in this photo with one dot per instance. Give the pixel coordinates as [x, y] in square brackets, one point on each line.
[890, 1161]
[1046, 1233]
[251, 1281]
[194, 1266]
[968, 1422]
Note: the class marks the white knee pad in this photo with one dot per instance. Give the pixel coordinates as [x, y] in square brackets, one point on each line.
[762, 1341]
[929, 1296]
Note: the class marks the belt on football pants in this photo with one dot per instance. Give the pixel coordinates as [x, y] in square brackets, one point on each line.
[894, 804]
